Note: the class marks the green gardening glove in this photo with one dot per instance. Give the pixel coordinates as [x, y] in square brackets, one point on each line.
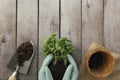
[72, 71]
[44, 73]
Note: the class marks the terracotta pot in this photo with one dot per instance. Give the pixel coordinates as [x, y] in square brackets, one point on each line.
[100, 64]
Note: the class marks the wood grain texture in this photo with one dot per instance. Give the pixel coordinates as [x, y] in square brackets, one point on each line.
[7, 35]
[92, 23]
[71, 25]
[27, 30]
[112, 24]
[48, 22]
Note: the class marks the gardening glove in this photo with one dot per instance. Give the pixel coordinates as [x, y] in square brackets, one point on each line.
[71, 72]
[44, 73]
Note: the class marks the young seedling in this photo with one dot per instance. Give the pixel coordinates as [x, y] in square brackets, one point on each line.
[60, 48]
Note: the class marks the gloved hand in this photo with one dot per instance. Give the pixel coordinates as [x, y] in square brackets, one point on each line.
[71, 72]
[44, 73]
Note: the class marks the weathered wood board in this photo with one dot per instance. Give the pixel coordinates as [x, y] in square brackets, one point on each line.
[27, 30]
[7, 35]
[92, 23]
[112, 25]
[71, 25]
[48, 22]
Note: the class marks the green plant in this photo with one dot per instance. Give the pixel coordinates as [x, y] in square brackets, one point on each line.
[58, 47]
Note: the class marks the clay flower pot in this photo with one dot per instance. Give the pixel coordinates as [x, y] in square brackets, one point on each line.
[100, 63]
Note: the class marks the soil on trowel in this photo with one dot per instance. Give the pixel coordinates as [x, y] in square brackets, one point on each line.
[24, 52]
[58, 70]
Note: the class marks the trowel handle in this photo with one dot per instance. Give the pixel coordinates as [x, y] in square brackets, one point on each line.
[12, 78]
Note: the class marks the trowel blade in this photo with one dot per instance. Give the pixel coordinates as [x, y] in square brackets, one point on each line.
[23, 69]
[13, 62]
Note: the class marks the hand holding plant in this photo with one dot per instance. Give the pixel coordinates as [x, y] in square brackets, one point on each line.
[60, 48]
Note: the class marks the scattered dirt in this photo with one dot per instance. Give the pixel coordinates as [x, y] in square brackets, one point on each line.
[24, 52]
[58, 70]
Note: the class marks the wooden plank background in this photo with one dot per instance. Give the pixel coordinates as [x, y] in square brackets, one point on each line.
[71, 24]
[48, 22]
[27, 30]
[7, 35]
[81, 21]
[92, 23]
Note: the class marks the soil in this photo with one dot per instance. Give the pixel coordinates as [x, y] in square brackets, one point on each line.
[58, 70]
[24, 52]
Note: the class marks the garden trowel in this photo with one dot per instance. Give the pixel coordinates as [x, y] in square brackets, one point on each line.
[21, 60]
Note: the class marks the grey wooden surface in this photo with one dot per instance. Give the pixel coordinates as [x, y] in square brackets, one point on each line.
[81, 21]
[48, 22]
[112, 25]
[71, 24]
[7, 35]
[92, 23]
[27, 29]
